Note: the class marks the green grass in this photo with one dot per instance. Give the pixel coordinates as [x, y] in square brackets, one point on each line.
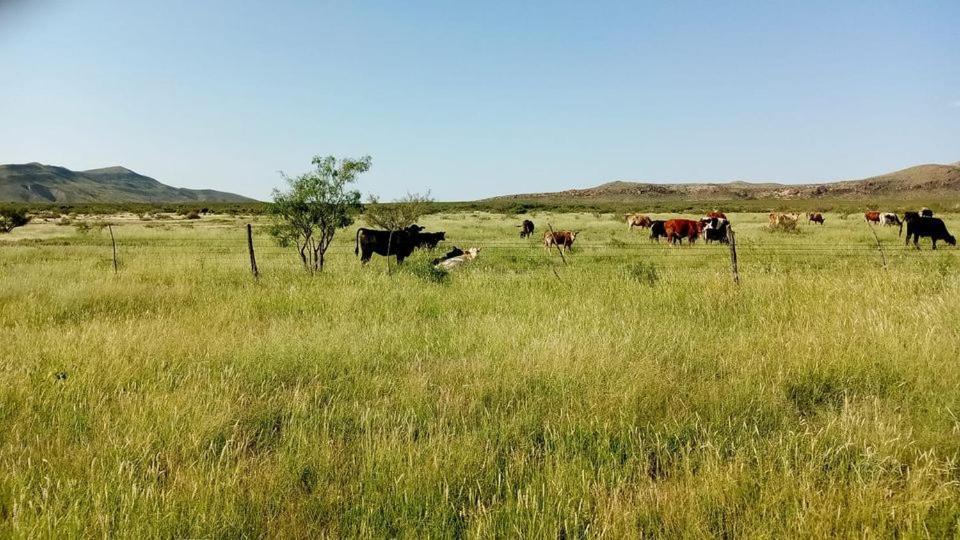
[633, 391]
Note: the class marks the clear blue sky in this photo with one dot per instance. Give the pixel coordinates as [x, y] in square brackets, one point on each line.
[473, 99]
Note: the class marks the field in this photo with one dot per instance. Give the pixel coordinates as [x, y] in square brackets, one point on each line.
[634, 391]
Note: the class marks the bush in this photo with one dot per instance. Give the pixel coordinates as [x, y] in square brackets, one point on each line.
[11, 218]
[64, 221]
[83, 227]
[643, 272]
[193, 214]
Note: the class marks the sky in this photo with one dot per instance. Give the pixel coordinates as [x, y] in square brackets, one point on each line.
[476, 99]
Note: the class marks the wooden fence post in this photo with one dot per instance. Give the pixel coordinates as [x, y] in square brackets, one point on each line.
[732, 241]
[253, 257]
[113, 241]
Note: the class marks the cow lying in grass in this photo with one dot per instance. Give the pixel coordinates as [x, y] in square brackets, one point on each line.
[453, 262]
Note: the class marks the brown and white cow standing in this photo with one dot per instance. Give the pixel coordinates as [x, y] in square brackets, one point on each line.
[638, 220]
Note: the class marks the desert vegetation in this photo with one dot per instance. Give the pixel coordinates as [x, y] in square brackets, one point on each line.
[635, 390]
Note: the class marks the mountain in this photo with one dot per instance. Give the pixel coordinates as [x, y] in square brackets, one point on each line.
[914, 182]
[38, 183]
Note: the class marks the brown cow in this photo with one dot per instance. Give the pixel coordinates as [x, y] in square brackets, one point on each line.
[716, 214]
[815, 218]
[638, 220]
[678, 229]
[564, 239]
[872, 216]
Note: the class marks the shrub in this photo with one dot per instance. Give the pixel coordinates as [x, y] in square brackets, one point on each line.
[64, 221]
[193, 214]
[643, 272]
[82, 227]
[11, 218]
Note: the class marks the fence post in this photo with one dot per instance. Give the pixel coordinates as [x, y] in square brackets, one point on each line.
[113, 241]
[732, 241]
[253, 257]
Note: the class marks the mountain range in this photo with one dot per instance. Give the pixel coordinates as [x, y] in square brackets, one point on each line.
[38, 183]
[921, 181]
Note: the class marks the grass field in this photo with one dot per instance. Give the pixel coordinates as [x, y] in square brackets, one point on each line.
[635, 391]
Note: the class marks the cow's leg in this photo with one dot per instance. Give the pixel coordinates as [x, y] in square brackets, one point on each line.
[934, 242]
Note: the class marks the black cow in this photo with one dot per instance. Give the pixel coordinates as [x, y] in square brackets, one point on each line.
[928, 227]
[429, 240]
[715, 230]
[526, 229]
[657, 229]
[398, 243]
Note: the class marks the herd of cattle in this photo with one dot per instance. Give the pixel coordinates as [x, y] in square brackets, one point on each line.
[714, 227]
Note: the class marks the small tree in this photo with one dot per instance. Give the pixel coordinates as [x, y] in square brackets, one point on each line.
[11, 218]
[316, 205]
[399, 214]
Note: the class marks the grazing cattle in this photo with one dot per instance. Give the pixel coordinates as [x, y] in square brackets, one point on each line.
[926, 212]
[526, 228]
[815, 218]
[638, 220]
[454, 262]
[455, 252]
[872, 216]
[563, 239]
[657, 230]
[928, 227]
[398, 243]
[717, 214]
[908, 216]
[678, 229]
[715, 230]
[889, 219]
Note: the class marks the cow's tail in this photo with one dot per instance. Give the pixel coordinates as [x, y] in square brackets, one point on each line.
[356, 246]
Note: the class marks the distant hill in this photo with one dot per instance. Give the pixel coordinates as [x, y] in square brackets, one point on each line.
[914, 182]
[38, 183]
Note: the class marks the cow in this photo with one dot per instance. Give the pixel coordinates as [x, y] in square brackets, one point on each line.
[926, 212]
[872, 216]
[429, 240]
[454, 262]
[717, 214]
[387, 243]
[783, 219]
[563, 239]
[908, 216]
[715, 230]
[526, 228]
[678, 229]
[455, 252]
[889, 219]
[638, 220]
[928, 227]
[815, 218]
[657, 230]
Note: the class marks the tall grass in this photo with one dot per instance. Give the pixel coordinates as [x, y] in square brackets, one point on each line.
[522, 397]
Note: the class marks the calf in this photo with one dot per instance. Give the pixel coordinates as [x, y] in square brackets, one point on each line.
[872, 216]
[717, 214]
[455, 252]
[563, 239]
[928, 227]
[429, 240]
[815, 218]
[454, 262]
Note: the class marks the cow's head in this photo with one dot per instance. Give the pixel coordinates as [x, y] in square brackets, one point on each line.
[950, 239]
[414, 228]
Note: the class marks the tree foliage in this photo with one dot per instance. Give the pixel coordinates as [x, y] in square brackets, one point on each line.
[316, 204]
[11, 218]
[399, 214]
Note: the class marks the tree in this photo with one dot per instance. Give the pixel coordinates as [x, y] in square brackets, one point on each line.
[11, 218]
[316, 205]
[399, 214]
